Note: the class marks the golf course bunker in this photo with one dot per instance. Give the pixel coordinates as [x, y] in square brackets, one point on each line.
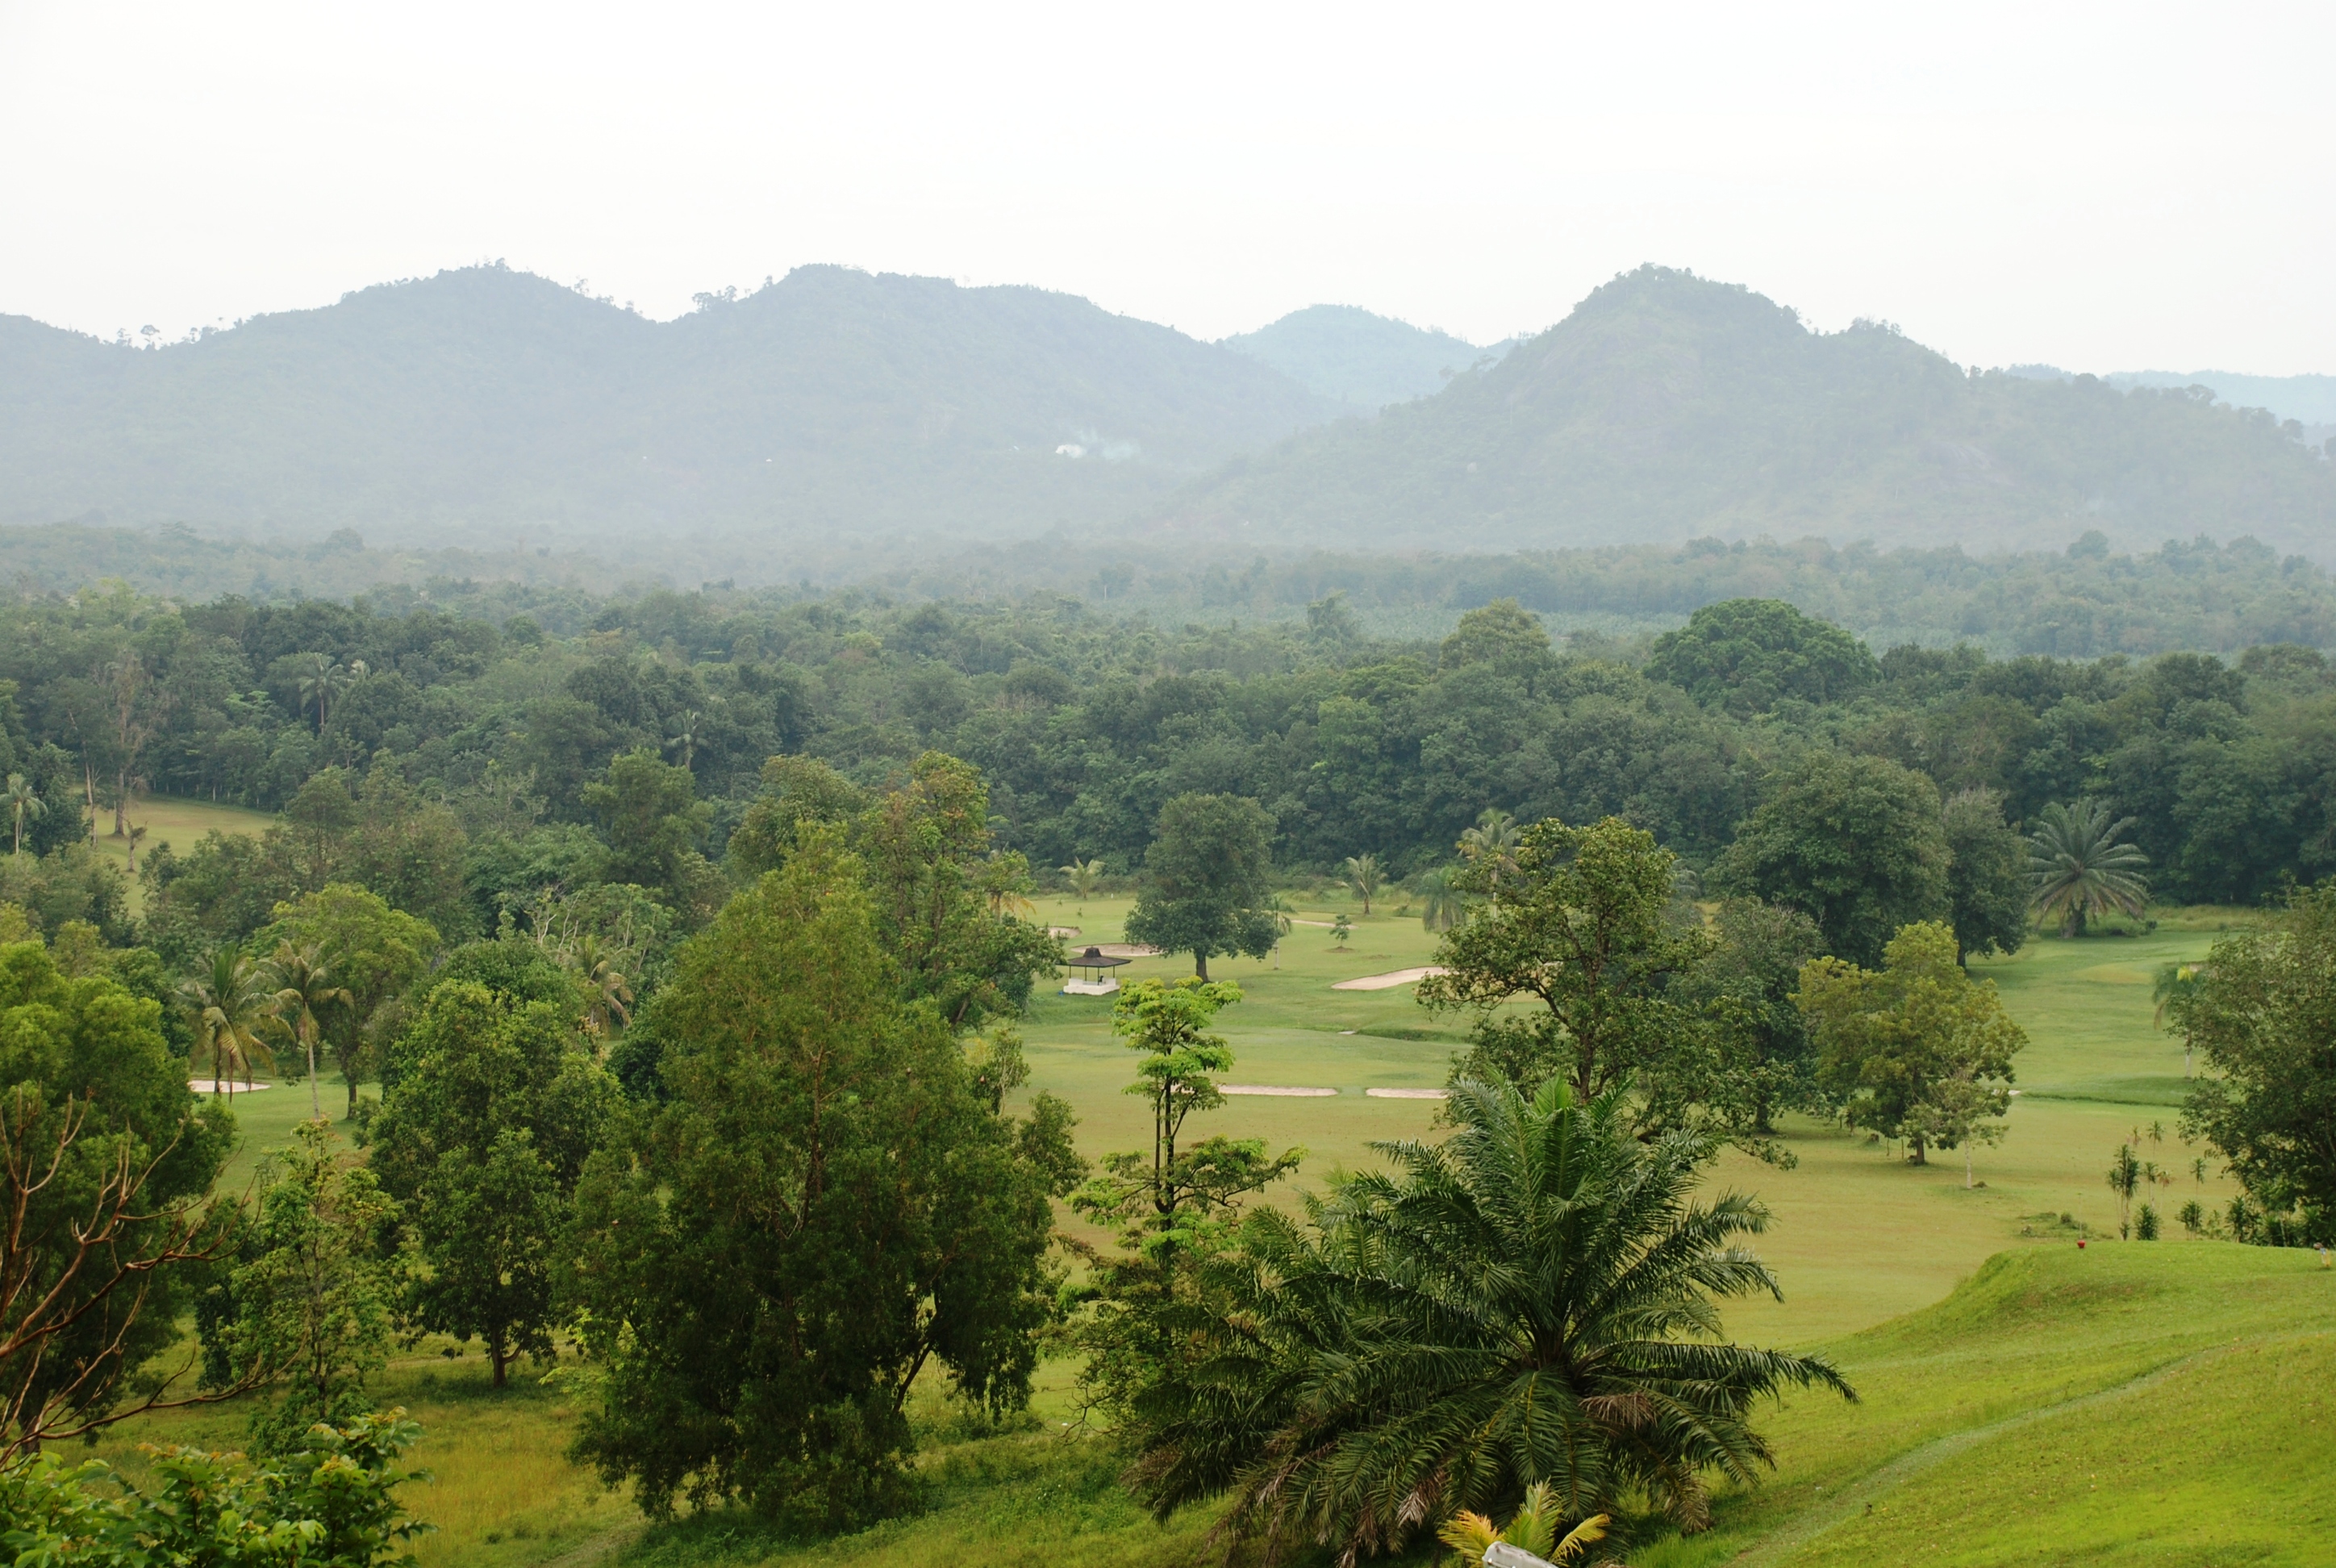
[1407, 1094]
[1275, 1089]
[1387, 982]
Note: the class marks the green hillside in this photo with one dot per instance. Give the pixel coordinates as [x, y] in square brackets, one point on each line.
[1369, 361]
[490, 399]
[1668, 406]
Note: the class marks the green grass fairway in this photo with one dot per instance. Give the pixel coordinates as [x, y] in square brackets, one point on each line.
[180, 824]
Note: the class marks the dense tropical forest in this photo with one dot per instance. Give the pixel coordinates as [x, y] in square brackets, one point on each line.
[495, 736]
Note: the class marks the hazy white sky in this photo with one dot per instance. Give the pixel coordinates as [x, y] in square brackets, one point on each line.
[2102, 186]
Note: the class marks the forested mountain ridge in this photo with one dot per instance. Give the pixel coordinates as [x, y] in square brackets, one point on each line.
[486, 398]
[1344, 352]
[1668, 406]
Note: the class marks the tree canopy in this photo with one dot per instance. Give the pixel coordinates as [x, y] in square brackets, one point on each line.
[1854, 842]
[826, 1203]
[1205, 890]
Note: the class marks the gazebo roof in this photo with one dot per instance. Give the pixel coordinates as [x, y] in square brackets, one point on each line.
[1093, 958]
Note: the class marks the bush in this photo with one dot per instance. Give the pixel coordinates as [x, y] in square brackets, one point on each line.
[2144, 1223]
[332, 1505]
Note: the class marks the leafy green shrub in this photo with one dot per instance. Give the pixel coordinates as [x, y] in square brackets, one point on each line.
[331, 1504]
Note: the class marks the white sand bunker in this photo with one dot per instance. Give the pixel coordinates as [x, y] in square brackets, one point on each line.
[223, 1086]
[1275, 1089]
[1387, 982]
[1405, 1093]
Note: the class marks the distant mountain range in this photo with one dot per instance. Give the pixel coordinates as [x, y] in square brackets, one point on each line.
[1365, 361]
[1666, 407]
[2309, 400]
[833, 414]
[832, 399]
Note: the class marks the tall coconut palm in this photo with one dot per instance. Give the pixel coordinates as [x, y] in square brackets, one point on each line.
[232, 1002]
[1532, 1301]
[1441, 905]
[1366, 876]
[684, 738]
[24, 801]
[2082, 866]
[607, 993]
[322, 678]
[304, 986]
[1492, 840]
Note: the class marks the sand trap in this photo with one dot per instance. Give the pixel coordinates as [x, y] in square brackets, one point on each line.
[1275, 1089]
[225, 1086]
[1387, 982]
[1065, 931]
[1405, 1093]
[1127, 950]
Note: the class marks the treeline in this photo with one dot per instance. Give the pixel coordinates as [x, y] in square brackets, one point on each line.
[476, 758]
[2081, 603]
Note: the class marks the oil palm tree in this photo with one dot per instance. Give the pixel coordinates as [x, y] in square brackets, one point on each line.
[2082, 867]
[304, 987]
[1493, 842]
[23, 801]
[607, 993]
[1366, 876]
[1085, 876]
[231, 1000]
[1441, 905]
[1532, 1301]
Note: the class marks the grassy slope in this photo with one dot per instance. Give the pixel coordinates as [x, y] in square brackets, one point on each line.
[1861, 1240]
[180, 823]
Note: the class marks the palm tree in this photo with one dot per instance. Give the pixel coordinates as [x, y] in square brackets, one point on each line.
[1441, 906]
[1366, 876]
[2080, 866]
[1493, 841]
[2125, 1180]
[1084, 876]
[1532, 1301]
[231, 1003]
[685, 739]
[303, 986]
[1534, 1530]
[321, 678]
[606, 992]
[23, 801]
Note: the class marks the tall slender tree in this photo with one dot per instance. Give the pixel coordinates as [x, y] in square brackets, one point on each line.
[23, 801]
[305, 988]
[233, 1004]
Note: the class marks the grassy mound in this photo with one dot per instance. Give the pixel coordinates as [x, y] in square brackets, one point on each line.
[2125, 1402]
